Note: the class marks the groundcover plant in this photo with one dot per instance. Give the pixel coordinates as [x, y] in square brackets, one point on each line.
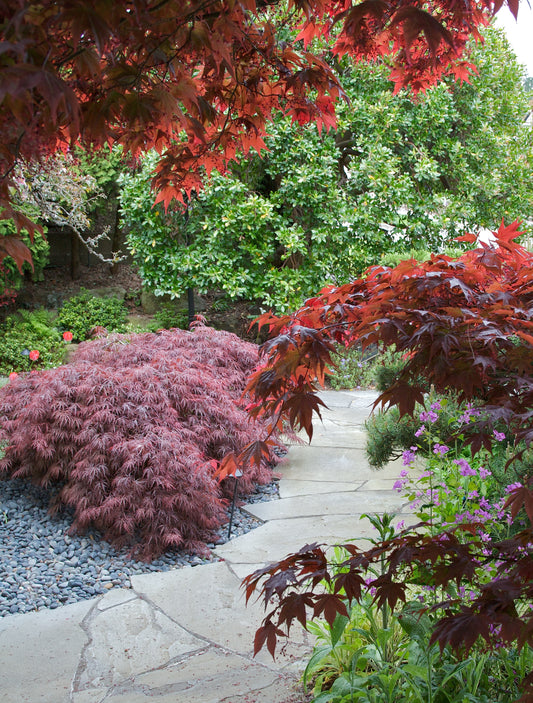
[130, 433]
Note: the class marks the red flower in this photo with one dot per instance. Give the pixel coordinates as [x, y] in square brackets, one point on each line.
[34, 355]
[67, 336]
[13, 375]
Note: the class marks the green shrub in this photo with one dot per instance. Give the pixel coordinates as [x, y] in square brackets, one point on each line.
[82, 313]
[373, 367]
[25, 332]
[169, 317]
[354, 369]
[388, 435]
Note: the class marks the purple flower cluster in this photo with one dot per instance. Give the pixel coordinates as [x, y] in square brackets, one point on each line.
[402, 481]
[409, 456]
[429, 416]
[470, 412]
[464, 467]
[513, 487]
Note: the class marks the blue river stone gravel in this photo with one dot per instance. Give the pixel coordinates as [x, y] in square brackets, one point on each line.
[41, 566]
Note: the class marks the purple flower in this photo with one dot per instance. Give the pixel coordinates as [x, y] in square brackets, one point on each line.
[440, 449]
[400, 525]
[472, 494]
[409, 456]
[512, 487]
[484, 473]
[420, 431]
[499, 436]
[399, 485]
[464, 467]
[428, 415]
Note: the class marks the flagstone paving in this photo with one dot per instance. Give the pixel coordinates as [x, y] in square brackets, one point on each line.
[186, 635]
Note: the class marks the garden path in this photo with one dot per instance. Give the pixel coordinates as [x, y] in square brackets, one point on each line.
[185, 635]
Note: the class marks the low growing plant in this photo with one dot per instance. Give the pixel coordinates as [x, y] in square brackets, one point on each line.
[353, 368]
[27, 331]
[130, 434]
[168, 317]
[84, 312]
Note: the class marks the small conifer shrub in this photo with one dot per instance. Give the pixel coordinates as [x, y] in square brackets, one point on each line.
[128, 433]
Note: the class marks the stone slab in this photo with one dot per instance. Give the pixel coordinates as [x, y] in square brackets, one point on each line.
[349, 417]
[40, 654]
[129, 638]
[274, 540]
[330, 435]
[92, 695]
[356, 502]
[207, 601]
[213, 676]
[379, 484]
[333, 464]
[289, 488]
[347, 398]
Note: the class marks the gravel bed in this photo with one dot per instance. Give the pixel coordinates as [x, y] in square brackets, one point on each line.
[41, 566]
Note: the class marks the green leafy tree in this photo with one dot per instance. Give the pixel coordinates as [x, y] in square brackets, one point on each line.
[318, 208]
[457, 159]
[269, 232]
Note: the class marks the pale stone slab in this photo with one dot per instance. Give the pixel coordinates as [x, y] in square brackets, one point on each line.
[274, 540]
[348, 398]
[214, 676]
[289, 488]
[329, 435]
[128, 639]
[356, 502]
[336, 399]
[241, 571]
[114, 597]
[379, 484]
[208, 601]
[331, 464]
[345, 417]
[92, 695]
[40, 653]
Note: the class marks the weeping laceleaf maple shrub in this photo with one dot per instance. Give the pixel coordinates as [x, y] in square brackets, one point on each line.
[466, 325]
[130, 433]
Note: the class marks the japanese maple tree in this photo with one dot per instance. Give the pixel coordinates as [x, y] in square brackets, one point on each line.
[464, 324]
[198, 79]
[130, 432]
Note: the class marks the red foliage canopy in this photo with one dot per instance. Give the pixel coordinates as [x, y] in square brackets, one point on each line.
[198, 79]
[467, 324]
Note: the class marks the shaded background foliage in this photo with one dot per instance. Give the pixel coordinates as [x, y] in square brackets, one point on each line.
[394, 174]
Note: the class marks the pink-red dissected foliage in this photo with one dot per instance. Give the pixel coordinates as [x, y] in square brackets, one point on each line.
[132, 429]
